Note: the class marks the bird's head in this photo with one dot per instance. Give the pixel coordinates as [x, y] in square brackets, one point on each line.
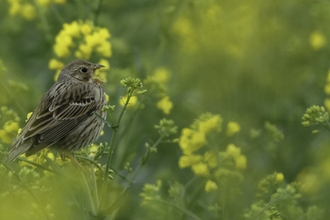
[81, 70]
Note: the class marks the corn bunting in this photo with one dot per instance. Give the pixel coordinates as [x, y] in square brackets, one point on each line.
[68, 116]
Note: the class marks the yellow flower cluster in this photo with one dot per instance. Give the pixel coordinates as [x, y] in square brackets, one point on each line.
[26, 9]
[232, 128]
[92, 40]
[22, 8]
[157, 85]
[9, 121]
[40, 158]
[192, 139]
[8, 132]
[235, 153]
[165, 105]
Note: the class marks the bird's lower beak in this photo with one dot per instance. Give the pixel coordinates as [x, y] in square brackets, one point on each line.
[97, 66]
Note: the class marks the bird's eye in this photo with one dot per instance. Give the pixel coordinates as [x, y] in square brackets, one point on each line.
[84, 70]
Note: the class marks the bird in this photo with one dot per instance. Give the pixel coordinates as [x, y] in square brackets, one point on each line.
[68, 117]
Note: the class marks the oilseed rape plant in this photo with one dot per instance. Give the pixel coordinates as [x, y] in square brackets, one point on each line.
[214, 109]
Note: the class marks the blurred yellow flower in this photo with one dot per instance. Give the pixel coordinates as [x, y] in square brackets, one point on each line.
[210, 124]
[240, 162]
[28, 11]
[310, 180]
[189, 160]
[200, 169]
[232, 128]
[211, 159]
[233, 151]
[279, 177]
[5, 137]
[10, 126]
[15, 7]
[133, 101]
[210, 186]
[91, 39]
[86, 29]
[72, 29]
[162, 75]
[9, 131]
[165, 105]
[55, 64]
[317, 40]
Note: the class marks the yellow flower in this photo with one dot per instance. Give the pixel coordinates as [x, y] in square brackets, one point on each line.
[191, 141]
[5, 137]
[200, 169]
[28, 116]
[279, 177]
[86, 29]
[104, 33]
[61, 50]
[107, 98]
[233, 151]
[92, 40]
[232, 128]
[211, 159]
[310, 180]
[133, 100]
[162, 75]
[55, 64]
[93, 150]
[104, 49]
[317, 40]
[198, 139]
[85, 50]
[211, 124]
[105, 63]
[210, 186]
[165, 105]
[10, 126]
[189, 160]
[240, 162]
[72, 29]
[15, 8]
[28, 11]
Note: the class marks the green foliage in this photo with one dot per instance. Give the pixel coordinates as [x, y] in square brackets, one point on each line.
[259, 64]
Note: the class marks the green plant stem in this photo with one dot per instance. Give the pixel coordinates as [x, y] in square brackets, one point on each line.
[37, 165]
[132, 177]
[111, 147]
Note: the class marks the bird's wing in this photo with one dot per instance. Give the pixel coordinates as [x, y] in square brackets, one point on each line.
[58, 113]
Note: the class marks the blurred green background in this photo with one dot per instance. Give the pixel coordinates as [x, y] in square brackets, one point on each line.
[251, 61]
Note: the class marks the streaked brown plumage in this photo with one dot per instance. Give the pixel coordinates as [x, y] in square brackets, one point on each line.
[64, 118]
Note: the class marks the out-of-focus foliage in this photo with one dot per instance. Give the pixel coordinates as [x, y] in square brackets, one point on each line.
[232, 78]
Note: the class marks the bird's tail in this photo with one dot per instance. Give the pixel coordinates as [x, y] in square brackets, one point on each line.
[16, 150]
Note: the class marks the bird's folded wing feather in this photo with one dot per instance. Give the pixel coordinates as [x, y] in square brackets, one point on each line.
[60, 113]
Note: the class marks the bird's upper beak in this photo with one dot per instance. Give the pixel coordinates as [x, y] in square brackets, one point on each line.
[97, 66]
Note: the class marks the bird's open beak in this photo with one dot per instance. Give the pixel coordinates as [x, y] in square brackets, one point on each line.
[97, 66]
